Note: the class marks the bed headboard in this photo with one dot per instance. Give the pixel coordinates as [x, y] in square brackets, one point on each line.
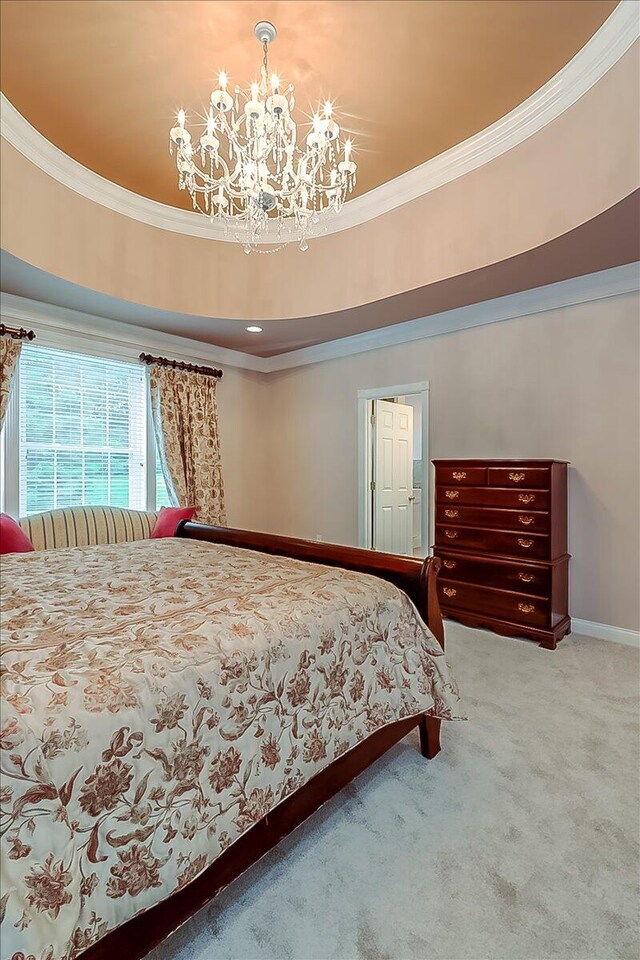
[86, 526]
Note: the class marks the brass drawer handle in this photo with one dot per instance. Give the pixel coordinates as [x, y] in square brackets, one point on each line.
[525, 577]
[526, 497]
[526, 520]
[452, 494]
[451, 513]
[516, 477]
[449, 591]
[450, 564]
[459, 475]
[522, 542]
[526, 607]
[451, 534]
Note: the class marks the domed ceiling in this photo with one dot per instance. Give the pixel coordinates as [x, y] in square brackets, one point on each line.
[103, 80]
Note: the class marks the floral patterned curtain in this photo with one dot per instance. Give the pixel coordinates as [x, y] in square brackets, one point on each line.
[9, 356]
[185, 420]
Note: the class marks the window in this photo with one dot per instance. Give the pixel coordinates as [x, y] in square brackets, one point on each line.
[80, 429]
[162, 494]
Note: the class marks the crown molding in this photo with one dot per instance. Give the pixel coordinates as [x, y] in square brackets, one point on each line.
[589, 65]
[593, 286]
[86, 333]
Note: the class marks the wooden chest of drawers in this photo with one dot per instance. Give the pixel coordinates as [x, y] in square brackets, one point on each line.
[501, 533]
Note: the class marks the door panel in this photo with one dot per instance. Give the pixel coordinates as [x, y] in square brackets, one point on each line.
[386, 525]
[404, 529]
[386, 464]
[392, 477]
[404, 459]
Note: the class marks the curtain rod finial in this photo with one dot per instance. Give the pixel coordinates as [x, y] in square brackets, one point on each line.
[17, 333]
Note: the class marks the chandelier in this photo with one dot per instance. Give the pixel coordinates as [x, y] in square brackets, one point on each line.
[250, 171]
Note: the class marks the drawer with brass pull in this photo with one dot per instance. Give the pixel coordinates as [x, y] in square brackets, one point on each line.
[510, 543]
[492, 497]
[530, 578]
[493, 517]
[462, 475]
[499, 603]
[524, 477]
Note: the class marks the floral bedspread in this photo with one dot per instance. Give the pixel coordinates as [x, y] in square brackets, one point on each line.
[160, 697]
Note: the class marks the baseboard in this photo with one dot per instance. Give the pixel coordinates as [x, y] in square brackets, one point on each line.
[603, 631]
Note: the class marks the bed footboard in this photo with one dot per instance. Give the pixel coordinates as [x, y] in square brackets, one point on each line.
[417, 578]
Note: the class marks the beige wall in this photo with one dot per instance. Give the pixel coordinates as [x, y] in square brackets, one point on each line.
[244, 443]
[561, 384]
[566, 174]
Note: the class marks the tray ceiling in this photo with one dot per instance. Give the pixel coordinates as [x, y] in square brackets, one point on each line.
[102, 80]
[609, 240]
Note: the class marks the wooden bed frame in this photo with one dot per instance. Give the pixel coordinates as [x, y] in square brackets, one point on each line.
[417, 578]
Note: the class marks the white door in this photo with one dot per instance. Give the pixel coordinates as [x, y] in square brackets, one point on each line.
[392, 477]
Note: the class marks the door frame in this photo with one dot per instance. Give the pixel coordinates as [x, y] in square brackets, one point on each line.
[365, 465]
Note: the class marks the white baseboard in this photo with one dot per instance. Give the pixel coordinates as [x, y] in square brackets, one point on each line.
[603, 631]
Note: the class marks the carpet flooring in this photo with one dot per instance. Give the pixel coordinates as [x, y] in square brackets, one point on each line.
[520, 841]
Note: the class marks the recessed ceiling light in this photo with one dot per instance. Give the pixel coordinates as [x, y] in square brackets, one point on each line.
[254, 329]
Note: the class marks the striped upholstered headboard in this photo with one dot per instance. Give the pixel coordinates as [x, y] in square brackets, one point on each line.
[87, 526]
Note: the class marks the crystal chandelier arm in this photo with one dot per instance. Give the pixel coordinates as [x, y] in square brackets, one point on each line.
[248, 167]
[215, 181]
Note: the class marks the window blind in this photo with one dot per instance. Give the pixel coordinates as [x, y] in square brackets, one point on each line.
[82, 431]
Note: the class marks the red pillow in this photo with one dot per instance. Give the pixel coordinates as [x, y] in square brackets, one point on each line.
[12, 537]
[169, 518]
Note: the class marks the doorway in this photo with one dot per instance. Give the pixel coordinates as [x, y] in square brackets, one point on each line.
[394, 469]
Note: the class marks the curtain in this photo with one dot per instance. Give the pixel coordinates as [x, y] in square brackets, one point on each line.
[185, 419]
[9, 356]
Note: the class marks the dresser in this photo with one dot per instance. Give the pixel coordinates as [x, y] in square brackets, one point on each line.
[501, 534]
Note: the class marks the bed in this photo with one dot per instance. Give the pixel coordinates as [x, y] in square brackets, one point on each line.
[172, 708]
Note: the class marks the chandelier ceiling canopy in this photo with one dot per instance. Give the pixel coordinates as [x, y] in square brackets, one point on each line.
[251, 167]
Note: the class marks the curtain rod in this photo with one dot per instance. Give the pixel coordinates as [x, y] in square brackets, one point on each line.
[17, 333]
[181, 365]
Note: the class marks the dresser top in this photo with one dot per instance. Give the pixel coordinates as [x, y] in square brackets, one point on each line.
[499, 463]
